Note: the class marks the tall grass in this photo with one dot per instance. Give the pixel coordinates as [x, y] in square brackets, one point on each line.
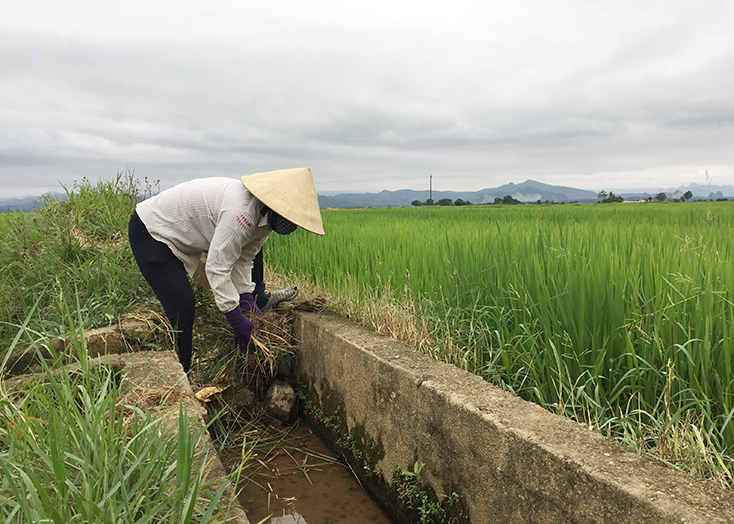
[617, 315]
[75, 447]
[72, 246]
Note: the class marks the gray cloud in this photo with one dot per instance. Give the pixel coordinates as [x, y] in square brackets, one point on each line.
[371, 97]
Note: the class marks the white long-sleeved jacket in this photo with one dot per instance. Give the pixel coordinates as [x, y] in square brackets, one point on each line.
[214, 215]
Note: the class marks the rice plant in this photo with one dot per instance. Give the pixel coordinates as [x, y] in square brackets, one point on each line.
[617, 315]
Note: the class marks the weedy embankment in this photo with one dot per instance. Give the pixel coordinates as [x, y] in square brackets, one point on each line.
[69, 449]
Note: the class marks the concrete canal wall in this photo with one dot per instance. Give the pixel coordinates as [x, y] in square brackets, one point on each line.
[509, 460]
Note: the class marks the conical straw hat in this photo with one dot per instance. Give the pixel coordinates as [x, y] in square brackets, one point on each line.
[290, 193]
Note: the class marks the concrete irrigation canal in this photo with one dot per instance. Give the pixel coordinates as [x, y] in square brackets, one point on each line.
[411, 429]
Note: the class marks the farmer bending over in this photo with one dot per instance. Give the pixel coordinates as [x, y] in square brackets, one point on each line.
[230, 220]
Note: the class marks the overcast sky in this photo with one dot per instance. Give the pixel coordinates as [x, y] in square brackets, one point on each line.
[371, 95]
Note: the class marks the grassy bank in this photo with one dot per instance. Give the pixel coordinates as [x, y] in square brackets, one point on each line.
[72, 248]
[75, 446]
[619, 316]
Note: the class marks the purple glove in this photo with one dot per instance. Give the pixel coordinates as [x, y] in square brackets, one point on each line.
[241, 326]
[247, 303]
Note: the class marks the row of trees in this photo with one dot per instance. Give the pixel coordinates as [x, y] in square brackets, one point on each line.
[507, 199]
[611, 197]
[442, 202]
[605, 198]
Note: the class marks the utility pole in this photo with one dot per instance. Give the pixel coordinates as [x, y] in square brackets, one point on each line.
[430, 189]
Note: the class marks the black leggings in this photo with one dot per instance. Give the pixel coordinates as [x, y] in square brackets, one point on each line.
[167, 276]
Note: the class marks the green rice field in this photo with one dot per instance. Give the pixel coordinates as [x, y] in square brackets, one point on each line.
[619, 315]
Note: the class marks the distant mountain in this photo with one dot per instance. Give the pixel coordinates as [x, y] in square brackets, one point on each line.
[705, 191]
[532, 191]
[528, 191]
[24, 204]
[699, 192]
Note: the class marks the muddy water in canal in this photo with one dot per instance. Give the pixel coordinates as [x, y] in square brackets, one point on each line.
[300, 482]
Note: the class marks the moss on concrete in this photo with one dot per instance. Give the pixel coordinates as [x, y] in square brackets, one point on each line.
[405, 499]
